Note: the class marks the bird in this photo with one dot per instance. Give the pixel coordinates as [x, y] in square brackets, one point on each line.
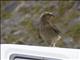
[48, 31]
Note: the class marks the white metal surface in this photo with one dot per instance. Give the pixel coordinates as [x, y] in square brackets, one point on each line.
[61, 53]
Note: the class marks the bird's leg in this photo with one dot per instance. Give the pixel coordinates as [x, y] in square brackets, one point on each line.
[54, 42]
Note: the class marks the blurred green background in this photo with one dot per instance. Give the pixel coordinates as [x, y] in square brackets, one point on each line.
[20, 21]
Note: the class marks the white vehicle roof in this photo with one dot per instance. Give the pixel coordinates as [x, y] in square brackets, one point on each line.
[50, 52]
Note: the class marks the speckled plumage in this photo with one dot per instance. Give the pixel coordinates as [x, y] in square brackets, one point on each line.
[48, 32]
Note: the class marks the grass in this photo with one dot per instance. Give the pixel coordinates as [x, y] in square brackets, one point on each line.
[75, 30]
[5, 15]
[10, 38]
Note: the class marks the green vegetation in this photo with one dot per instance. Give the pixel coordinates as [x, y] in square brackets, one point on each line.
[5, 15]
[62, 10]
[49, 9]
[27, 23]
[11, 38]
[3, 3]
[29, 26]
[75, 30]
[24, 10]
[65, 6]
[36, 8]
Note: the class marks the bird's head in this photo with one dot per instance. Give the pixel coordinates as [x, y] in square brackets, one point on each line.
[47, 17]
